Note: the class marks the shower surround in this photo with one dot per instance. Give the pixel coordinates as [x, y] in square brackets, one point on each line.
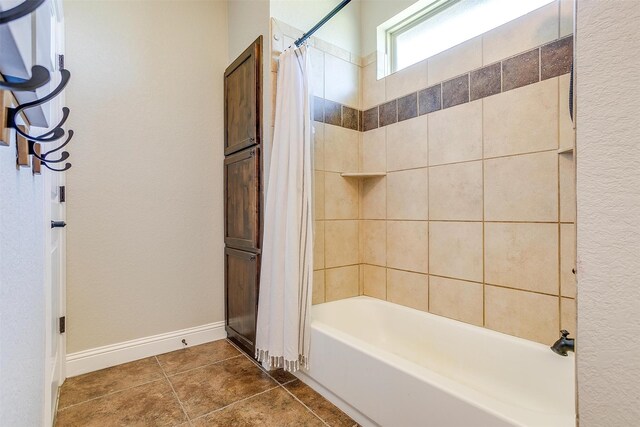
[475, 217]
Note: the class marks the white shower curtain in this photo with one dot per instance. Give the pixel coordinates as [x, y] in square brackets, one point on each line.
[282, 337]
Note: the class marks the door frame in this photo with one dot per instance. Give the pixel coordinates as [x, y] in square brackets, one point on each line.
[54, 373]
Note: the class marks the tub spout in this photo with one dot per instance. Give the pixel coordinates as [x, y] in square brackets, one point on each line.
[564, 344]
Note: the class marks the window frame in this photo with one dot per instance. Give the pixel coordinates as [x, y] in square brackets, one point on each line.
[392, 33]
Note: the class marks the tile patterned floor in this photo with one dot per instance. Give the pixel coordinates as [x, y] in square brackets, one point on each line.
[207, 385]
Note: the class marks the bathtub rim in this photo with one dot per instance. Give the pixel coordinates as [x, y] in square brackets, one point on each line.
[504, 410]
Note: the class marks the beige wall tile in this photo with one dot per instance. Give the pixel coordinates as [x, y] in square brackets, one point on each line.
[317, 294]
[566, 17]
[375, 281]
[341, 197]
[523, 314]
[524, 33]
[568, 316]
[374, 151]
[455, 134]
[373, 239]
[456, 299]
[407, 245]
[408, 289]
[455, 249]
[341, 243]
[318, 146]
[567, 133]
[341, 283]
[567, 260]
[341, 81]
[522, 120]
[522, 255]
[407, 194]
[455, 192]
[317, 72]
[340, 149]
[373, 204]
[407, 144]
[405, 81]
[373, 90]
[318, 245]
[318, 194]
[521, 188]
[458, 60]
[567, 187]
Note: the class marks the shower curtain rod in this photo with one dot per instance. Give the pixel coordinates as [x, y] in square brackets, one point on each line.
[323, 21]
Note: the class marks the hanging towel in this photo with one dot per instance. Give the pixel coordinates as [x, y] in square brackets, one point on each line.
[282, 336]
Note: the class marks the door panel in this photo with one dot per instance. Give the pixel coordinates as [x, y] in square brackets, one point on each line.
[242, 100]
[242, 199]
[241, 277]
[243, 194]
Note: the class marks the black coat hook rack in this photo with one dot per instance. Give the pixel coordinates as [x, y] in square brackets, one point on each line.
[43, 157]
[39, 77]
[23, 9]
[45, 162]
[57, 132]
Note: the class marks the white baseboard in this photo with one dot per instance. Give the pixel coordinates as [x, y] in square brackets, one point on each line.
[128, 351]
[344, 406]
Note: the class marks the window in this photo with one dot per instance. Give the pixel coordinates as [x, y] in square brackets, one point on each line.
[441, 24]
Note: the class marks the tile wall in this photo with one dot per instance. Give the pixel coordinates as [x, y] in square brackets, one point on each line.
[475, 218]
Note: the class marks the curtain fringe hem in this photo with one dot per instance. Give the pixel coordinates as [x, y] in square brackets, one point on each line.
[277, 362]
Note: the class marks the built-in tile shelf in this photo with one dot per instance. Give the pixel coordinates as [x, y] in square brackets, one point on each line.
[568, 150]
[363, 175]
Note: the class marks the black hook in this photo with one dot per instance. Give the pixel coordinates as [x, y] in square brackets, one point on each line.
[39, 77]
[43, 158]
[65, 168]
[57, 132]
[23, 9]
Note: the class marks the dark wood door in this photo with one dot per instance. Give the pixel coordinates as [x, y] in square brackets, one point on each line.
[241, 279]
[242, 199]
[243, 194]
[242, 90]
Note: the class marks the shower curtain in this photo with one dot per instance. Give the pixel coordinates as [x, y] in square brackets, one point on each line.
[282, 336]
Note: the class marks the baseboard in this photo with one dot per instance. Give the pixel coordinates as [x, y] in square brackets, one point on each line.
[128, 351]
[343, 405]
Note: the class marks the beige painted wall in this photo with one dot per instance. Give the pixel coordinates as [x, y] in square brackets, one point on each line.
[145, 238]
[343, 30]
[608, 177]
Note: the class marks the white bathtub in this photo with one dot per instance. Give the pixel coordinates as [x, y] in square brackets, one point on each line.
[389, 365]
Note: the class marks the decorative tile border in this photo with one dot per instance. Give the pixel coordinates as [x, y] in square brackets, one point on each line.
[547, 61]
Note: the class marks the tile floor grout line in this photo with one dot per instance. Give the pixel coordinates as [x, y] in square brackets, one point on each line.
[282, 385]
[147, 382]
[303, 404]
[255, 362]
[173, 390]
[201, 366]
[109, 394]
[237, 401]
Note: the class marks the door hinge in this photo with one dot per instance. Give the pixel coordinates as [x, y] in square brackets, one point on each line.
[63, 324]
[63, 194]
